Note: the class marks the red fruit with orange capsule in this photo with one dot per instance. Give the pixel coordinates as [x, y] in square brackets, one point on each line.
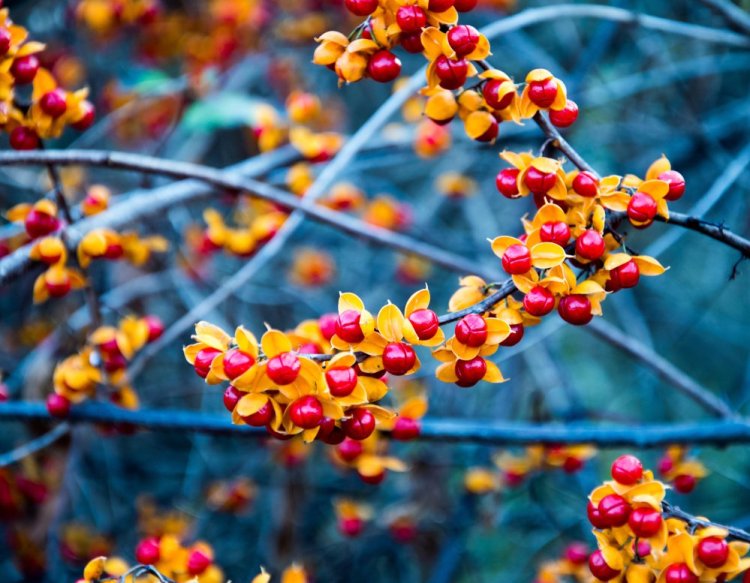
[507, 182]
[491, 93]
[330, 433]
[539, 182]
[359, 425]
[577, 553]
[406, 429]
[565, 117]
[425, 323]
[374, 479]
[351, 526]
[306, 412]
[412, 42]
[463, 39]
[472, 330]
[614, 510]
[555, 232]
[155, 327]
[232, 395]
[627, 469]
[411, 18]
[348, 328]
[539, 301]
[203, 360]
[599, 567]
[23, 138]
[198, 562]
[642, 208]
[713, 551]
[645, 522]
[5, 41]
[470, 372]
[24, 69]
[595, 516]
[39, 224]
[676, 183]
[543, 93]
[349, 449]
[237, 362]
[398, 358]
[261, 417]
[572, 464]
[490, 133]
[58, 406]
[590, 245]
[284, 368]
[361, 7]
[679, 573]
[451, 72]
[147, 552]
[515, 336]
[624, 276]
[87, 118]
[384, 66]
[684, 483]
[327, 325]
[465, 5]
[586, 184]
[517, 259]
[341, 381]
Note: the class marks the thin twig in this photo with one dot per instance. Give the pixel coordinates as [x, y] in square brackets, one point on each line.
[671, 511]
[34, 445]
[733, 14]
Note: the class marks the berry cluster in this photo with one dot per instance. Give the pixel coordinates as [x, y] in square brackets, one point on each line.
[640, 541]
[680, 470]
[571, 566]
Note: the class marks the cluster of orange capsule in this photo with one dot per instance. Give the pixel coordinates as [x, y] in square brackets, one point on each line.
[641, 542]
[104, 360]
[572, 566]
[50, 108]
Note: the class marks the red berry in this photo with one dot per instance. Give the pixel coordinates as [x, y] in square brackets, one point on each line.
[572, 464]
[515, 336]
[330, 433]
[203, 360]
[463, 39]
[198, 562]
[411, 18]
[351, 526]
[491, 92]
[5, 40]
[283, 369]
[599, 567]
[575, 309]
[713, 551]
[470, 372]
[627, 469]
[596, 518]
[642, 208]
[679, 573]
[406, 429]
[516, 259]
[23, 138]
[306, 412]
[155, 327]
[590, 245]
[471, 330]
[577, 553]
[58, 406]
[585, 184]
[645, 522]
[261, 417]
[539, 301]
[361, 7]
[566, 116]
[375, 479]
[614, 509]
[465, 5]
[327, 325]
[231, 396]
[237, 362]
[555, 232]
[53, 103]
[543, 93]
[665, 465]
[684, 483]
[398, 358]
[676, 184]
[451, 72]
[384, 66]
[147, 552]
[625, 276]
[412, 42]
[507, 182]
[39, 224]
[539, 182]
[440, 5]
[24, 69]
[425, 323]
[349, 450]
[360, 425]
[643, 548]
[87, 118]
[341, 381]
[347, 327]
[490, 133]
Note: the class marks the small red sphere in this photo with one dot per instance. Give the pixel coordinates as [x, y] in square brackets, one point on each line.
[327, 325]
[642, 208]
[341, 381]
[440, 5]
[398, 358]
[155, 327]
[24, 69]
[359, 425]
[349, 450]
[348, 328]
[23, 138]
[384, 66]
[577, 553]
[491, 93]
[539, 301]
[231, 397]
[261, 417]
[465, 5]
[614, 509]
[203, 360]
[471, 330]
[412, 42]
[451, 72]
[5, 41]
[463, 39]
[58, 406]
[306, 412]
[361, 7]
[599, 567]
[516, 259]
[198, 562]
[490, 133]
[713, 551]
[237, 362]
[39, 224]
[425, 323]
[53, 103]
[627, 469]
[572, 464]
[351, 526]
[374, 479]
[684, 483]
[575, 309]
[147, 552]
[507, 182]
[590, 245]
[679, 573]
[406, 429]
[515, 336]
[676, 184]
[283, 369]
[539, 182]
[566, 116]
[87, 117]
[555, 232]
[543, 93]
[625, 276]
[330, 433]
[586, 184]
[645, 522]
[665, 465]
[411, 18]
[596, 518]
[470, 372]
